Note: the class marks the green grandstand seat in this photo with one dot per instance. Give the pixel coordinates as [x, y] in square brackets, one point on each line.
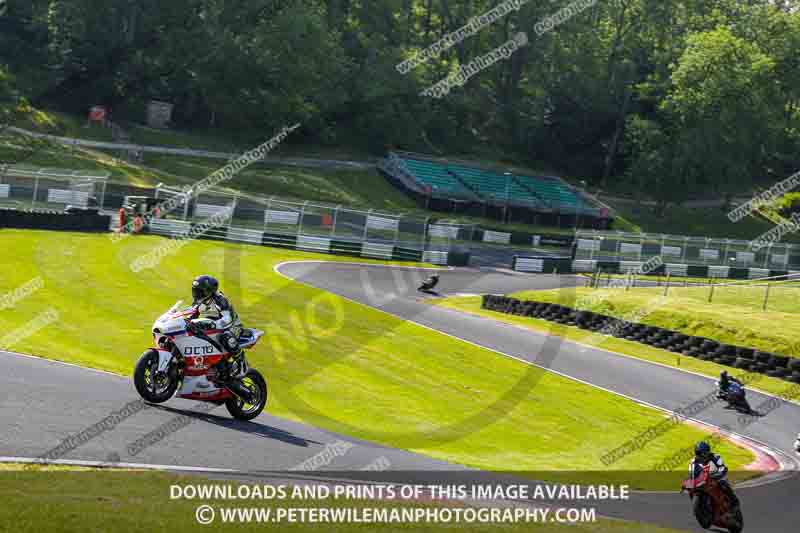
[493, 184]
[489, 184]
[435, 175]
[555, 191]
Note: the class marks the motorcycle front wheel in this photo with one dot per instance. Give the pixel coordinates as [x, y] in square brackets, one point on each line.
[702, 510]
[257, 386]
[736, 524]
[152, 386]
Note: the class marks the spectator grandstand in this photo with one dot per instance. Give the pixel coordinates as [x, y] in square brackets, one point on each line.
[473, 182]
[438, 177]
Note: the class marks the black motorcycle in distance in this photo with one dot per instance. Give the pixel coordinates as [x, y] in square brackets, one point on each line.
[735, 395]
[429, 284]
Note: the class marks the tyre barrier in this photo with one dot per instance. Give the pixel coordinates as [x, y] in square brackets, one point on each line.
[53, 220]
[739, 357]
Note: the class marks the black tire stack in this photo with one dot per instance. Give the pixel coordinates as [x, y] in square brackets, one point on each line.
[794, 366]
[739, 357]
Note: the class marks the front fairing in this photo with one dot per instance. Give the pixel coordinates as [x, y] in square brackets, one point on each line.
[173, 321]
[697, 477]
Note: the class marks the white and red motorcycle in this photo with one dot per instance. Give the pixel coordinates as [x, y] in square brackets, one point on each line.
[184, 362]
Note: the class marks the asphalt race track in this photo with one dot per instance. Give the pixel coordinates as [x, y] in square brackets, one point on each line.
[394, 291]
[43, 403]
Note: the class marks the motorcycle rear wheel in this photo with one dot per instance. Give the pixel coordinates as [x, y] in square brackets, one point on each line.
[257, 385]
[153, 388]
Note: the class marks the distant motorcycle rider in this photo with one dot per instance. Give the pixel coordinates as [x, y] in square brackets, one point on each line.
[431, 282]
[215, 312]
[702, 456]
[725, 381]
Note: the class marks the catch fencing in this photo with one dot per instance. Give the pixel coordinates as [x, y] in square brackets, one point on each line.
[606, 246]
[310, 222]
[308, 225]
[53, 189]
[23, 187]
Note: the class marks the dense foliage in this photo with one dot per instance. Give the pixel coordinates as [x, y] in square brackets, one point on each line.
[672, 98]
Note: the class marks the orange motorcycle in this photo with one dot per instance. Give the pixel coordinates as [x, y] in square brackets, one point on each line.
[711, 505]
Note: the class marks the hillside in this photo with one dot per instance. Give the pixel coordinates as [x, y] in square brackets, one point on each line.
[352, 187]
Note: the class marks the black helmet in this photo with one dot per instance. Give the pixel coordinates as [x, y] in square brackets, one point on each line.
[204, 287]
[723, 374]
[702, 450]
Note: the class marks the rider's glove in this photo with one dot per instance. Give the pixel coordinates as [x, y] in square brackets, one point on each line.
[203, 325]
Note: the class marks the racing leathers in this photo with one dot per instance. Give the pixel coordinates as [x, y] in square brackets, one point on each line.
[725, 382]
[217, 313]
[720, 475]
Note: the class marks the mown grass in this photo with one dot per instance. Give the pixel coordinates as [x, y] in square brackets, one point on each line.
[101, 501]
[347, 187]
[62, 124]
[18, 150]
[364, 188]
[734, 315]
[330, 362]
[698, 222]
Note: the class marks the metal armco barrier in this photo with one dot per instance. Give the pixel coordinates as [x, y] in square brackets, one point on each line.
[677, 270]
[435, 258]
[169, 228]
[564, 241]
[451, 258]
[179, 229]
[542, 264]
[258, 217]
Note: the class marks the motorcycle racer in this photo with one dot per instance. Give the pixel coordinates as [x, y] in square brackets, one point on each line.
[432, 281]
[216, 312]
[725, 381]
[702, 456]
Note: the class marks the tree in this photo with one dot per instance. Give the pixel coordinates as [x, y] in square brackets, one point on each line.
[722, 102]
